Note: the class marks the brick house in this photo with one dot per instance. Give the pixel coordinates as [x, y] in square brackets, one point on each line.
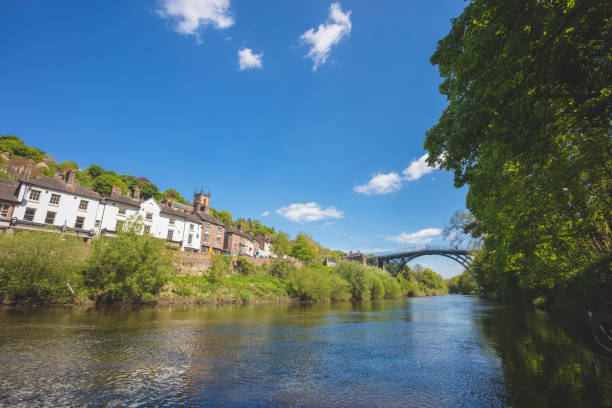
[8, 200]
[213, 230]
[238, 242]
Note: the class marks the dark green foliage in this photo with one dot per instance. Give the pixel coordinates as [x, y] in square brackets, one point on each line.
[129, 267]
[224, 216]
[94, 171]
[463, 284]
[528, 128]
[16, 147]
[420, 282]
[38, 266]
[104, 183]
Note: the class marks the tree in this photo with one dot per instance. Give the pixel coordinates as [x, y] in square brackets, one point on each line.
[528, 127]
[303, 248]
[282, 245]
[174, 195]
[16, 147]
[459, 229]
[94, 171]
[104, 183]
[224, 216]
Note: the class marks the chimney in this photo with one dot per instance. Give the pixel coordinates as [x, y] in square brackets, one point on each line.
[27, 172]
[136, 194]
[115, 191]
[70, 177]
[240, 226]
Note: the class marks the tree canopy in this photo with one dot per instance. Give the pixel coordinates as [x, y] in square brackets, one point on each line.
[527, 127]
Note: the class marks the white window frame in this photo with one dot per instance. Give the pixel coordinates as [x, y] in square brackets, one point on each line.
[77, 221]
[189, 239]
[81, 205]
[207, 225]
[206, 238]
[191, 227]
[53, 219]
[146, 230]
[149, 216]
[35, 195]
[4, 210]
[170, 235]
[171, 221]
[121, 212]
[56, 203]
[25, 214]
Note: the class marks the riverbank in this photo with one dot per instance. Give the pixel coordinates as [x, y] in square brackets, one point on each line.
[38, 268]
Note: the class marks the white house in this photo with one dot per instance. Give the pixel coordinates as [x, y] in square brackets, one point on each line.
[158, 220]
[58, 202]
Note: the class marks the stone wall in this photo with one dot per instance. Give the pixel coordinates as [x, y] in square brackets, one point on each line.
[192, 263]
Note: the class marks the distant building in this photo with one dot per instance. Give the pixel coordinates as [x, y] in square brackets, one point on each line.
[8, 200]
[361, 258]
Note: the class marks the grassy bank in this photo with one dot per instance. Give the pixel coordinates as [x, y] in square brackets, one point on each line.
[46, 268]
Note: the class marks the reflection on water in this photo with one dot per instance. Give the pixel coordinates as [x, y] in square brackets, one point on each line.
[440, 351]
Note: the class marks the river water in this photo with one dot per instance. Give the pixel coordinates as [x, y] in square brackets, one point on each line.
[448, 351]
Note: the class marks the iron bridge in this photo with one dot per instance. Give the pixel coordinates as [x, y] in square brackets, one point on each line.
[402, 257]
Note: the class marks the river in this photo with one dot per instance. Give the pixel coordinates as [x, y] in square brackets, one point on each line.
[447, 351]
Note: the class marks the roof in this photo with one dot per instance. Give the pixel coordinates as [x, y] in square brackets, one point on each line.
[61, 185]
[232, 230]
[8, 191]
[121, 199]
[209, 218]
[171, 211]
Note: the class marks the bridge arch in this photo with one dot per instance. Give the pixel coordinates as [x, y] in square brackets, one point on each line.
[401, 258]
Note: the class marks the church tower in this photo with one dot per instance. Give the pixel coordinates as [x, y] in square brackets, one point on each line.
[201, 202]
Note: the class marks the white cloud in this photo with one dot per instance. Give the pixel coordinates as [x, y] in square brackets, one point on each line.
[337, 26]
[248, 60]
[421, 237]
[307, 212]
[417, 169]
[189, 16]
[265, 213]
[381, 183]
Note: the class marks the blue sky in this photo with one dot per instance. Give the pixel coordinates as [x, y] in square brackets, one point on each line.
[273, 105]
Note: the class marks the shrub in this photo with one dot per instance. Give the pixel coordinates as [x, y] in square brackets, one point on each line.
[220, 266]
[39, 266]
[317, 282]
[129, 266]
[282, 268]
[244, 267]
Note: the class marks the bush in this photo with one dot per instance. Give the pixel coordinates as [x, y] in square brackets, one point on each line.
[367, 282]
[220, 266]
[128, 267]
[318, 282]
[282, 268]
[38, 266]
[244, 267]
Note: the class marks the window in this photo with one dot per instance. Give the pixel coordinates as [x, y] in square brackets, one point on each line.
[79, 222]
[220, 229]
[218, 242]
[149, 217]
[171, 222]
[50, 217]
[170, 234]
[207, 225]
[4, 209]
[83, 205]
[34, 195]
[122, 211]
[54, 199]
[119, 225]
[190, 227]
[147, 229]
[205, 238]
[29, 214]
[190, 239]
[97, 223]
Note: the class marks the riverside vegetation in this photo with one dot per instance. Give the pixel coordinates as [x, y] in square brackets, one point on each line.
[44, 267]
[527, 128]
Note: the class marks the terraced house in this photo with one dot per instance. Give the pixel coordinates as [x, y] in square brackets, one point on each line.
[62, 204]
